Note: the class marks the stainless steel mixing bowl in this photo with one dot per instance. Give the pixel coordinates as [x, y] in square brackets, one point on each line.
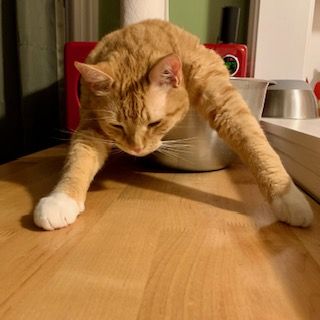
[197, 146]
[290, 99]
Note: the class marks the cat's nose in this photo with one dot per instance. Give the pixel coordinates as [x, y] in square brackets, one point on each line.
[137, 150]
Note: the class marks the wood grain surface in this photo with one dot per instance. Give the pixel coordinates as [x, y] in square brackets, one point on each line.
[153, 244]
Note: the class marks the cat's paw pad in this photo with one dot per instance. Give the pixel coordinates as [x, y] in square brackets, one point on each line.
[293, 208]
[56, 211]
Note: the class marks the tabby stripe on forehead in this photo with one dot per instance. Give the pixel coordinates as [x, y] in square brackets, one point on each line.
[173, 113]
[132, 107]
[135, 93]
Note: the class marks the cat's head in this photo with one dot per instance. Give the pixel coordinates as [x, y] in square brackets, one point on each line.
[136, 113]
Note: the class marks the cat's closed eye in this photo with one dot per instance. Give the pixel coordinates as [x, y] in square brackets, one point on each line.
[154, 124]
[117, 126]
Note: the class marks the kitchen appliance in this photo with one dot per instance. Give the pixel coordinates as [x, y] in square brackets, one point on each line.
[290, 99]
[233, 54]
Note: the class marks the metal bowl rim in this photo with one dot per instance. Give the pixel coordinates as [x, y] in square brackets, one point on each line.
[253, 80]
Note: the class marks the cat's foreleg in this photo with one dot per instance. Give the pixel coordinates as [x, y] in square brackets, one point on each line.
[229, 115]
[61, 207]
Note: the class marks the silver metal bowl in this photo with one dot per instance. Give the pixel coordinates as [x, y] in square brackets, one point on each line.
[198, 146]
[290, 99]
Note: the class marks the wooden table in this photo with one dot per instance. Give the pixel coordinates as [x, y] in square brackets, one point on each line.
[153, 244]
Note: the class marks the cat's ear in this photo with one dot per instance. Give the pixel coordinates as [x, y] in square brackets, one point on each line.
[98, 81]
[167, 71]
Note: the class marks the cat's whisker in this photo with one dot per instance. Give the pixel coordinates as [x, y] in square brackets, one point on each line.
[172, 154]
[184, 151]
[115, 150]
[67, 131]
[178, 153]
[180, 140]
[167, 153]
[178, 147]
[177, 143]
[81, 135]
[62, 139]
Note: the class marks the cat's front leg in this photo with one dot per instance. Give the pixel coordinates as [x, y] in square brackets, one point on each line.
[62, 206]
[228, 113]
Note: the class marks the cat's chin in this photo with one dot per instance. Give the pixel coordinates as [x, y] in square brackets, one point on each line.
[137, 154]
[141, 153]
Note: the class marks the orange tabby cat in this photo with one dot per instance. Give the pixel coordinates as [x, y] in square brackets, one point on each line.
[138, 83]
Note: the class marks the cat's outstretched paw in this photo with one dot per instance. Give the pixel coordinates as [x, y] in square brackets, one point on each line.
[56, 211]
[293, 208]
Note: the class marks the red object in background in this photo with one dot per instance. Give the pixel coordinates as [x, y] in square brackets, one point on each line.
[317, 94]
[235, 54]
[73, 51]
[317, 90]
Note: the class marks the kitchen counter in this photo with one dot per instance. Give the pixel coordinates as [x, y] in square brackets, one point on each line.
[298, 144]
[153, 244]
[308, 127]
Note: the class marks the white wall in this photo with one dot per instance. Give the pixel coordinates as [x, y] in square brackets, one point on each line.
[312, 63]
[283, 42]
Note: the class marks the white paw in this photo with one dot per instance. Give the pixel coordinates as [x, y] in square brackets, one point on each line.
[293, 208]
[56, 211]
